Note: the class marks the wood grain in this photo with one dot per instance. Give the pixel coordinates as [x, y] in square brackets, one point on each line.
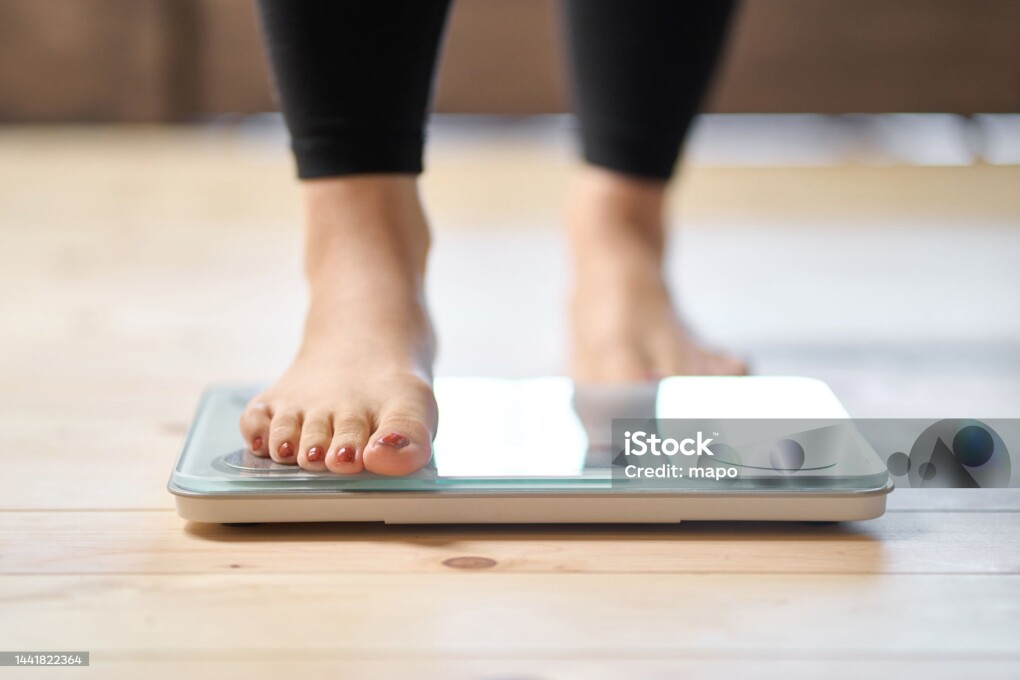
[494, 614]
[259, 665]
[160, 543]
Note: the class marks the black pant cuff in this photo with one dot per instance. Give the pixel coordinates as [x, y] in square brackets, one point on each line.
[643, 157]
[358, 155]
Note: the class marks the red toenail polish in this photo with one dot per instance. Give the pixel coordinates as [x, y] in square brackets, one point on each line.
[315, 454]
[345, 454]
[397, 441]
[256, 444]
[286, 450]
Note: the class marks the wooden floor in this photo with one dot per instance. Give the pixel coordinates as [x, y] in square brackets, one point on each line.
[139, 265]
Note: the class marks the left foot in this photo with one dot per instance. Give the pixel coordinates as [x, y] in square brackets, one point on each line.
[625, 328]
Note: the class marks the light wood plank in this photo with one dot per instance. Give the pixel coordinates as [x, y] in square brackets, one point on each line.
[473, 181]
[89, 463]
[256, 666]
[569, 615]
[160, 543]
[954, 500]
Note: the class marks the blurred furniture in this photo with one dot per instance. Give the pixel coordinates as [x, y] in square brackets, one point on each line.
[174, 60]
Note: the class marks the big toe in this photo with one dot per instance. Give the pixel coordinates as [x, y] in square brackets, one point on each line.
[398, 447]
[402, 442]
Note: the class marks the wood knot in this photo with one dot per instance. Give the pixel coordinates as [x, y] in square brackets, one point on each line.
[469, 562]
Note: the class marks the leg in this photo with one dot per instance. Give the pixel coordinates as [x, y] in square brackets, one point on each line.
[640, 69]
[353, 80]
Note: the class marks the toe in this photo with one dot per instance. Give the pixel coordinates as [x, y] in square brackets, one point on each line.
[399, 447]
[350, 435]
[316, 433]
[255, 427]
[733, 366]
[284, 436]
[724, 364]
[402, 442]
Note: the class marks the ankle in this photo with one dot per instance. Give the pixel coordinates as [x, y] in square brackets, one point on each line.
[614, 216]
[619, 197]
[377, 219]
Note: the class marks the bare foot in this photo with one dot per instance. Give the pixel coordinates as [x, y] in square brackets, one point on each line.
[359, 394]
[625, 327]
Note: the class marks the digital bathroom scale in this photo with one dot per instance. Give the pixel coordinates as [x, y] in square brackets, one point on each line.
[551, 455]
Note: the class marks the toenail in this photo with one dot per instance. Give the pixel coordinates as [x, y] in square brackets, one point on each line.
[345, 454]
[315, 454]
[397, 441]
[286, 450]
[256, 443]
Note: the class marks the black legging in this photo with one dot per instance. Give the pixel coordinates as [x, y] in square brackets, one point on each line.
[354, 78]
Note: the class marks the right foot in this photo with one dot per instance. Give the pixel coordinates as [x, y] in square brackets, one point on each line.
[358, 396]
[625, 327]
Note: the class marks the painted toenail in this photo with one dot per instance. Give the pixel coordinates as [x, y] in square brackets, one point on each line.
[397, 441]
[315, 454]
[345, 454]
[256, 444]
[286, 450]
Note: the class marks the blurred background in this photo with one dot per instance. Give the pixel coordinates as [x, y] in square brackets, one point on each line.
[178, 60]
[849, 207]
